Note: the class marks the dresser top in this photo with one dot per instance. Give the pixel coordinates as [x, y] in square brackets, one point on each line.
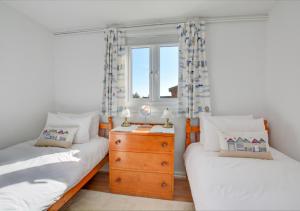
[144, 129]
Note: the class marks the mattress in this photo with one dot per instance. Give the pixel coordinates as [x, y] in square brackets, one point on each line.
[33, 178]
[222, 183]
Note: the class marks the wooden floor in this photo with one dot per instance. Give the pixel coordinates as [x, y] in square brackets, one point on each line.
[182, 190]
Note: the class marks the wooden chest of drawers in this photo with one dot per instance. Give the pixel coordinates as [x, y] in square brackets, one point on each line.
[142, 164]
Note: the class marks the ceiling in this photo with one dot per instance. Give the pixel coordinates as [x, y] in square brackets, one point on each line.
[64, 15]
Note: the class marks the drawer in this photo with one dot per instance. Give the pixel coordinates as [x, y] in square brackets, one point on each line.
[141, 143]
[142, 161]
[141, 183]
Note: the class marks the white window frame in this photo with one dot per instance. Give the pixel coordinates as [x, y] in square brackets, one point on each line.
[154, 78]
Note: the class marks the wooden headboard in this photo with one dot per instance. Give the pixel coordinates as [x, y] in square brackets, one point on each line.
[105, 127]
[195, 130]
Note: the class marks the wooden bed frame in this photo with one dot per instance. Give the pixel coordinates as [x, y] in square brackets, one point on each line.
[104, 129]
[195, 129]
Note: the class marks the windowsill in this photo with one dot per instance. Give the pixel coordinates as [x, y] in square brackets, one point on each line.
[156, 106]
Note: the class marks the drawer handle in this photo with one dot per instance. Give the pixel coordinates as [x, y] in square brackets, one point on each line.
[164, 163]
[118, 180]
[118, 141]
[118, 159]
[163, 185]
[164, 144]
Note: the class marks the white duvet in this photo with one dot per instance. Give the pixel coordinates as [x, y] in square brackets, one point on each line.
[33, 178]
[222, 183]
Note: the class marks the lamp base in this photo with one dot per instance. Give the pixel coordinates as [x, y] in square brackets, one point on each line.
[168, 124]
[125, 123]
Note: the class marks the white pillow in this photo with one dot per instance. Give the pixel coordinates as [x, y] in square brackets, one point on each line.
[202, 117]
[94, 128]
[203, 120]
[213, 125]
[83, 124]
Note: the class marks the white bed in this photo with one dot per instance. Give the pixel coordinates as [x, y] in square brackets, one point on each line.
[220, 183]
[33, 178]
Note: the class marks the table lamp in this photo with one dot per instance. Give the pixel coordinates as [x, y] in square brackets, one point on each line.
[145, 111]
[167, 115]
[126, 114]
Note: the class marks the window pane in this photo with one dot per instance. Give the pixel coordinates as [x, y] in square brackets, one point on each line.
[168, 72]
[140, 72]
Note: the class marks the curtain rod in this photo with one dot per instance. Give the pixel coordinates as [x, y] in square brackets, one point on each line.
[165, 24]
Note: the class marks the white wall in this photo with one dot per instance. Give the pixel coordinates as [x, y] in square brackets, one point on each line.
[26, 79]
[282, 77]
[236, 54]
[236, 59]
[78, 69]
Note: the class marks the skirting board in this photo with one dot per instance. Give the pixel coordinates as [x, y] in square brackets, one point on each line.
[179, 174]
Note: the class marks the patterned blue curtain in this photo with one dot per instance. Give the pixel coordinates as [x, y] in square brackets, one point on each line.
[193, 84]
[114, 62]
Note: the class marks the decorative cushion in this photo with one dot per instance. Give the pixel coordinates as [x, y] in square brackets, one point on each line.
[94, 127]
[57, 137]
[83, 124]
[245, 145]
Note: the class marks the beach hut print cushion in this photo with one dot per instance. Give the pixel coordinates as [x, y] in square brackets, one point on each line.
[57, 137]
[245, 145]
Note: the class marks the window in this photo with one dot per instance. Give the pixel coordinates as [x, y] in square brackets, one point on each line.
[153, 72]
[140, 72]
[168, 71]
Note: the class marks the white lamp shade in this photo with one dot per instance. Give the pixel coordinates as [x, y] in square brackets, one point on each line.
[166, 114]
[125, 113]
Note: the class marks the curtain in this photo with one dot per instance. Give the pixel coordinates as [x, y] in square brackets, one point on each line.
[193, 84]
[114, 76]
